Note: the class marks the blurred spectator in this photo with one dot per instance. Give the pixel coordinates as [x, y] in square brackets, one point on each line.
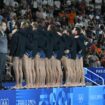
[94, 60]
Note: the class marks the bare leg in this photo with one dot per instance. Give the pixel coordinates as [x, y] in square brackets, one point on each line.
[33, 72]
[42, 72]
[68, 71]
[37, 64]
[82, 79]
[20, 73]
[30, 73]
[78, 70]
[26, 70]
[48, 72]
[59, 71]
[73, 67]
[51, 72]
[53, 68]
[71, 73]
[64, 63]
[16, 70]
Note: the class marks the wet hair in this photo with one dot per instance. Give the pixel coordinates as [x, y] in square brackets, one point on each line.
[34, 24]
[25, 24]
[78, 29]
[17, 25]
[52, 28]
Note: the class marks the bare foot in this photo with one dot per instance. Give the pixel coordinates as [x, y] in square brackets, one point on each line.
[31, 86]
[68, 84]
[16, 87]
[27, 86]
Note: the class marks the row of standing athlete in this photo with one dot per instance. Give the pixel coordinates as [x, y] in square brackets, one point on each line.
[45, 56]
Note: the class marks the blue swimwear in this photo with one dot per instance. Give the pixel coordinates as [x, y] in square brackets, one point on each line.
[29, 54]
[79, 56]
[68, 55]
[55, 55]
[42, 54]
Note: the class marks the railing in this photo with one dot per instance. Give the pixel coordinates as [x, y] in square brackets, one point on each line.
[86, 69]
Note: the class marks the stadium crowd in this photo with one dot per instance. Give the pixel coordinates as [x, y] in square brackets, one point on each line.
[44, 36]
